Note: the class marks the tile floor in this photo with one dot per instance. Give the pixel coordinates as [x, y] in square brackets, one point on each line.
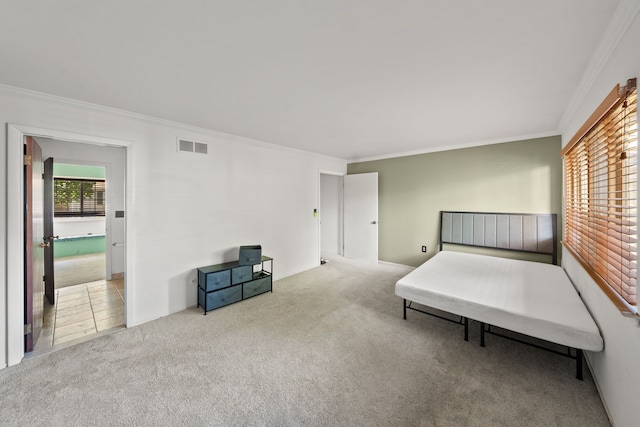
[81, 312]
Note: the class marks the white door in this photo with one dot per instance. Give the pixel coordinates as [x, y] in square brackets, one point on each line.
[361, 216]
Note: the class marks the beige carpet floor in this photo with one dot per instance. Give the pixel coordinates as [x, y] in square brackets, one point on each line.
[328, 347]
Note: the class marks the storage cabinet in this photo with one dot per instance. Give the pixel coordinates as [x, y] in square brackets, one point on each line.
[224, 284]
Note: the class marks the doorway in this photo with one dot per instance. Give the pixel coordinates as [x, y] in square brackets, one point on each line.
[79, 223]
[348, 223]
[89, 286]
[331, 215]
[85, 303]
[90, 147]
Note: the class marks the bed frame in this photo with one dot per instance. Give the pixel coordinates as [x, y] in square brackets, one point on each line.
[530, 233]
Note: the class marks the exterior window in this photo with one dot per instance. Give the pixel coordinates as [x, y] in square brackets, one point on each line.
[600, 190]
[78, 197]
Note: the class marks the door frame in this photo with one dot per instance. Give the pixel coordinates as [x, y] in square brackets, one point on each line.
[15, 226]
[48, 238]
[319, 219]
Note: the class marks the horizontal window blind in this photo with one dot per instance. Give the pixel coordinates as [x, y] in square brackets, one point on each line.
[78, 197]
[600, 190]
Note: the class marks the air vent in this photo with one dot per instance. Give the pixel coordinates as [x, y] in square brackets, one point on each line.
[201, 148]
[185, 145]
[192, 146]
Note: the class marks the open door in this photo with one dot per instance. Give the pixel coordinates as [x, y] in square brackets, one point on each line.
[34, 244]
[361, 216]
[48, 239]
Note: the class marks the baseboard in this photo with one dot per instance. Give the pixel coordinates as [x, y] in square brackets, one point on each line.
[117, 276]
[393, 264]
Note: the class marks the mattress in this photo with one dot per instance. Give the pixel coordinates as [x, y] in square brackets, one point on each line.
[530, 298]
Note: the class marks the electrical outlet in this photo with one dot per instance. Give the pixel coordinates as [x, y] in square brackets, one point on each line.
[192, 281]
[424, 249]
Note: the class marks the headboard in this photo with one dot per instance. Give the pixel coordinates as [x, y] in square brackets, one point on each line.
[534, 233]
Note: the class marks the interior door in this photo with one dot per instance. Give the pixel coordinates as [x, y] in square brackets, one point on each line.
[34, 245]
[361, 216]
[48, 239]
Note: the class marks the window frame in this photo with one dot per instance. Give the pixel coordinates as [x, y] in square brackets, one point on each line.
[82, 213]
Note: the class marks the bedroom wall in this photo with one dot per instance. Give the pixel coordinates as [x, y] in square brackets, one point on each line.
[520, 176]
[616, 369]
[184, 210]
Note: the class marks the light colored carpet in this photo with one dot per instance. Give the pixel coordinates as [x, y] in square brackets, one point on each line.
[75, 270]
[328, 347]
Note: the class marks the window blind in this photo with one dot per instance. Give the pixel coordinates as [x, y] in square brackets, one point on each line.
[600, 190]
[79, 197]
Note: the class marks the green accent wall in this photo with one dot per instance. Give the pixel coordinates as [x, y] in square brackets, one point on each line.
[78, 171]
[516, 177]
[82, 245]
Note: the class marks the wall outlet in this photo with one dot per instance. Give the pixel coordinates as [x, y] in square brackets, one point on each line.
[424, 249]
[192, 281]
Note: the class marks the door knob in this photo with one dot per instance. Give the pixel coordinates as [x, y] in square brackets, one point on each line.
[374, 222]
[44, 245]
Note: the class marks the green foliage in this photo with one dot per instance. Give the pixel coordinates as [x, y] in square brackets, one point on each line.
[69, 192]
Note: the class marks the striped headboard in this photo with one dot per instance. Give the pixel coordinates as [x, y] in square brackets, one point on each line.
[535, 233]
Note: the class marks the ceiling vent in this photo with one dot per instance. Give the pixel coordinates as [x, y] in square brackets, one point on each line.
[192, 146]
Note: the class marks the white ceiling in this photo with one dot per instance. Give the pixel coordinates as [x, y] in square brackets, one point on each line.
[353, 79]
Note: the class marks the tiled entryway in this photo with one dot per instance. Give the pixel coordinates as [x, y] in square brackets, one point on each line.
[81, 312]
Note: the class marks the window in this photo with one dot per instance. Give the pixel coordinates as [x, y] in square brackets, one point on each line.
[600, 190]
[78, 197]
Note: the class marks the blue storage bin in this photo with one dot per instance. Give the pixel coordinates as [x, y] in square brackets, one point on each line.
[250, 255]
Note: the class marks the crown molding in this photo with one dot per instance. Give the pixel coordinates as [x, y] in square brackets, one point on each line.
[455, 147]
[31, 94]
[623, 16]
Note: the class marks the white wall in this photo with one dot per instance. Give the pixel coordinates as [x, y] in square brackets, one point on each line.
[71, 227]
[617, 368]
[331, 214]
[184, 210]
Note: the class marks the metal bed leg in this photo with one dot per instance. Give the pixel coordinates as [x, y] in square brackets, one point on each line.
[481, 334]
[404, 309]
[579, 364]
[466, 329]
